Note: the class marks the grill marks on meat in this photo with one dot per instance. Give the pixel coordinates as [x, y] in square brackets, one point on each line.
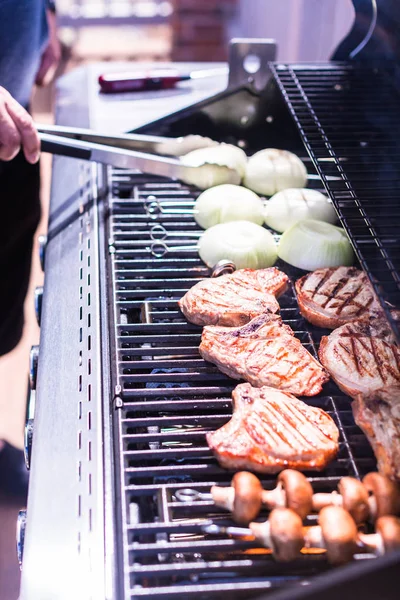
[379, 418]
[334, 296]
[272, 430]
[362, 358]
[234, 299]
[264, 352]
[365, 363]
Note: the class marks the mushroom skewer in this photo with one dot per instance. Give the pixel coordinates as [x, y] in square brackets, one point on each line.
[246, 496]
[337, 533]
[374, 497]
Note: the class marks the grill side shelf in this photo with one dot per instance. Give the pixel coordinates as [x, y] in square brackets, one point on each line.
[347, 117]
[171, 397]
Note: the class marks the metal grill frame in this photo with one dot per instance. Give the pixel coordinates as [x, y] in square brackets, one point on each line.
[304, 88]
[139, 410]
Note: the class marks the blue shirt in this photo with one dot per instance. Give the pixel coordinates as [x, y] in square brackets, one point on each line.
[23, 35]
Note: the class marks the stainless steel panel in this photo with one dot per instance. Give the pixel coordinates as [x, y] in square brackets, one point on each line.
[64, 544]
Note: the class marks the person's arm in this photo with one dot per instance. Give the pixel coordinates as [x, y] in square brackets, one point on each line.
[52, 53]
[17, 130]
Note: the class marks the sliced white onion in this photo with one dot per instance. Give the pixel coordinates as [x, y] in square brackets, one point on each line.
[311, 245]
[287, 207]
[228, 202]
[184, 145]
[244, 243]
[269, 171]
[216, 165]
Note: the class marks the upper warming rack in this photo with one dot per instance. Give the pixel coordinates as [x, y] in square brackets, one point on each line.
[348, 117]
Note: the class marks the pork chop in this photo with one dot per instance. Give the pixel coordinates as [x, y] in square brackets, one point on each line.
[334, 296]
[362, 358]
[379, 418]
[272, 430]
[234, 299]
[264, 352]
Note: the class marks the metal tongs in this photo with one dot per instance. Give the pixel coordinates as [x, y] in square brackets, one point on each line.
[149, 154]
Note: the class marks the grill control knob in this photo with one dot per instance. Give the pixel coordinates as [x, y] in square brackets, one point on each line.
[21, 523]
[42, 241]
[33, 363]
[28, 431]
[28, 437]
[38, 303]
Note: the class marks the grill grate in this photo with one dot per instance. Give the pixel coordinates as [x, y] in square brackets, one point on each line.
[348, 119]
[171, 397]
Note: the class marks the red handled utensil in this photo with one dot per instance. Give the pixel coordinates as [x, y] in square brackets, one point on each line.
[153, 79]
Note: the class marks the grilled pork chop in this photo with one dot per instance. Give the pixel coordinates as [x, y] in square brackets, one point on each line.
[334, 296]
[362, 358]
[234, 299]
[379, 418]
[264, 352]
[272, 430]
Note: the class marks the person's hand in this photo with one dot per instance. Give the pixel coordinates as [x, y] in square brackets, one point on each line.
[17, 130]
[51, 55]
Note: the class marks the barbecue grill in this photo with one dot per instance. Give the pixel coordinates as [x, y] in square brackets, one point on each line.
[118, 503]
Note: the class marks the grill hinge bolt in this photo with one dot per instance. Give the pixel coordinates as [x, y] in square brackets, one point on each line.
[111, 247]
[118, 402]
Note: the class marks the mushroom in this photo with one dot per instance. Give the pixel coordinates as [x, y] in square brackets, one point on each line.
[352, 496]
[386, 539]
[292, 491]
[374, 497]
[336, 532]
[384, 495]
[243, 498]
[283, 533]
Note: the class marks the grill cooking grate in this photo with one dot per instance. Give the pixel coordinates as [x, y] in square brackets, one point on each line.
[171, 397]
[348, 118]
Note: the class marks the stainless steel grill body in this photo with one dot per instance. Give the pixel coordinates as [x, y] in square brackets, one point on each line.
[152, 398]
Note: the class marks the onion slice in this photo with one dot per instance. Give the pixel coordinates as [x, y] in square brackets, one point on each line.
[227, 202]
[269, 171]
[184, 145]
[212, 166]
[245, 244]
[311, 245]
[287, 207]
